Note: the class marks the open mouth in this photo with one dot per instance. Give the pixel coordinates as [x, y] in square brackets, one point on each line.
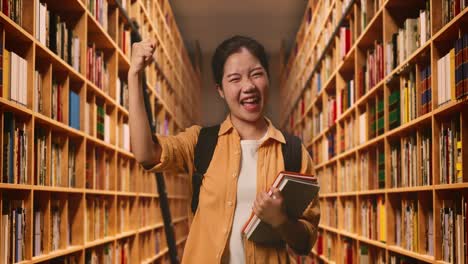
[251, 103]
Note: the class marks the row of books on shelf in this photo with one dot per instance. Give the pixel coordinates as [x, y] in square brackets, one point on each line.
[450, 146]
[407, 225]
[96, 67]
[124, 39]
[372, 72]
[451, 8]
[13, 9]
[348, 175]
[12, 244]
[330, 216]
[122, 93]
[346, 97]
[454, 231]
[345, 40]
[98, 176]
[372, 165]
[105, 254]
[452, 75]
[59, 236]
[97, 218]
[15, 150]
[367, 255]
[58, 177]
[99, 10]
[347, 135]
[53, 32]
[368, 9]
[373, 219]
[375, 119]
[416, 31]
[57, 102]
[14, 80]
[404, 159]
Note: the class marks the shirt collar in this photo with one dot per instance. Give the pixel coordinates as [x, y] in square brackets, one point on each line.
[272, 131]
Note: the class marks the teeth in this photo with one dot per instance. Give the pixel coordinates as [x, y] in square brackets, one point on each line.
[250, 100]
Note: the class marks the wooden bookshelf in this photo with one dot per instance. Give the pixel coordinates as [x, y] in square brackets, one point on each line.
[71, 179]
[379, 120]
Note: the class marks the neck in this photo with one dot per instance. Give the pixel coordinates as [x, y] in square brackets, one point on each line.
[250, 130]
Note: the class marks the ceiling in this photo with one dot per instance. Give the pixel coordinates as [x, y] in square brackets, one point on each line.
[211, 21]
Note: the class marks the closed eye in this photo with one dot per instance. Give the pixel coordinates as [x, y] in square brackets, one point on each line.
[257, 74]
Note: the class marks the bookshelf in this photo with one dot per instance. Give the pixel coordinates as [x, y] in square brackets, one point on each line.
[71, 190]
[375, 90]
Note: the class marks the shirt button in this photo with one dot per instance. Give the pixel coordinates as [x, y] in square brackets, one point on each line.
[229, 203]
[217, 255]
[234, 175]
[225, 230]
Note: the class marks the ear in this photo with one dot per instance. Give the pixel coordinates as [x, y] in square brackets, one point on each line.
[220, 90]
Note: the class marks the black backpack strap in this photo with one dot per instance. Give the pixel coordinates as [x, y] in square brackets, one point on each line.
[292, 153]
[206, 144]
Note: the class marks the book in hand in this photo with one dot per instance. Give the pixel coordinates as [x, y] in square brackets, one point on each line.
[298, 191]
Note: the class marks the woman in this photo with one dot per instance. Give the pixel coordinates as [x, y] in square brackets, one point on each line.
[245, 163]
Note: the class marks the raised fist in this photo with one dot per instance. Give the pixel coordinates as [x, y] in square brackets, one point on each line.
[142, 55]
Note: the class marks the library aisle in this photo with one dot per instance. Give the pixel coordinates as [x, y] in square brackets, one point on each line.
[376, 89]
[71, 189]
[378, 93]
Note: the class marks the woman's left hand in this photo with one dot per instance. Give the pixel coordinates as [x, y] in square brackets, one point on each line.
[270, 209]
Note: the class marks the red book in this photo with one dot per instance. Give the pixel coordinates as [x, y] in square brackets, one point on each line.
[320, 243]
[5, 5]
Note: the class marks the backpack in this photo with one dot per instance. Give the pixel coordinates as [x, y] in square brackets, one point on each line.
[206, 144]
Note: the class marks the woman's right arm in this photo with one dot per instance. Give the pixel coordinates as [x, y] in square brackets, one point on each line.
[146, 150]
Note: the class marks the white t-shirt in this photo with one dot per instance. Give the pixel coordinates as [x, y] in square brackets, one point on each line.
[246, 194]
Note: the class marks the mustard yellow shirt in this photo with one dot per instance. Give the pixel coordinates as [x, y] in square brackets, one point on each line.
[208, 239]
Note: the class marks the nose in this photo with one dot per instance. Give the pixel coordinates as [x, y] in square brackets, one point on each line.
[248, 86]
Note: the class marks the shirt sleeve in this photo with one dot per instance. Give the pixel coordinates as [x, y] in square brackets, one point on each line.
[311, 216]
[177, 151]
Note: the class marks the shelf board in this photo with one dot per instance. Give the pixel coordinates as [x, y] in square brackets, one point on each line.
[99, 35]
[100, 192]
[125, 234]
[150, 228]
[329, 195]
[329, 229]
[371, 192]
[407, 127]
[45, 53]
[182, 240]
[347, 194]
[10, 106]
[372, 242]
[57, 126]
[346, 113]
[127, 194]
[410, 189]
[401, 251]
[44, 188]
[451, 28]
[147, 195]
[348, 234]
[179, 219]
[450, 107]
[56, 254]
[452, 186]
[98, 242]
[13, 186]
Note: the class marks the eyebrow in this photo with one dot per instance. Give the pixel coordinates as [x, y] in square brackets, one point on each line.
[256, 68]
